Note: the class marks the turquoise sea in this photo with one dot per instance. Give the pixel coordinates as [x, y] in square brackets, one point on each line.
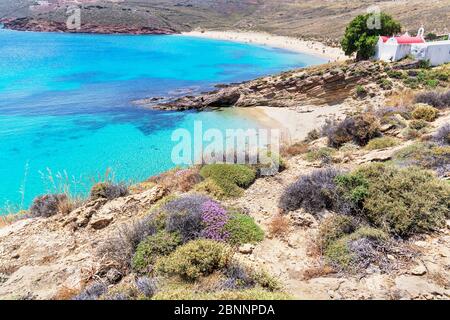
[66, 111]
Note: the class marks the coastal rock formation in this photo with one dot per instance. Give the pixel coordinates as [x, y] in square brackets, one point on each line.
[329, 84]
[31, 24]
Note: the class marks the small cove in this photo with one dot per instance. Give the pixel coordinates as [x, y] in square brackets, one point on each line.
[66, 106]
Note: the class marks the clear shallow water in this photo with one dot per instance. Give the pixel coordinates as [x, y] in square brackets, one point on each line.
[65, 103]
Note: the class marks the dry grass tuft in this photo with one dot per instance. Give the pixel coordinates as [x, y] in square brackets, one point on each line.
[294, 149]
[317, 272]
[66, 293]
[403, 98]
[182, 180]
[279, 226]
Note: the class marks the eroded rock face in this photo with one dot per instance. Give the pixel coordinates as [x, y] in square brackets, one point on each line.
[40, 256]
[30, 24]
[329, 84]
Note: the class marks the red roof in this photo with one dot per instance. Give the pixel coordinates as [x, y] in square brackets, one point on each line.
[405, 39]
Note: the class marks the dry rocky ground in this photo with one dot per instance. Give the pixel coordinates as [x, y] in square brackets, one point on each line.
[49, 258]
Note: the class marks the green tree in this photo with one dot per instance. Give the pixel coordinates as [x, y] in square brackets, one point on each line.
[361, 35]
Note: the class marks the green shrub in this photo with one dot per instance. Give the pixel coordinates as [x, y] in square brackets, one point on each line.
[350, 253]
[381, 143]
[230, 178]
[386, 84]
[195, 259]
[396, 74]
[209, 186]
[361, 91]
[243, 229]
[432, 83]
[411, 82]
[404, 201]
[159, 244]
[425, 112]
[334, 228]
[353, 188]
[418, 124]
[424, 64]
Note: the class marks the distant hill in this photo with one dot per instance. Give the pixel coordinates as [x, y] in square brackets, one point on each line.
[320, 19]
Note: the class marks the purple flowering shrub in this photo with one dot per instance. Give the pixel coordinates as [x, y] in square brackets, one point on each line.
[214, 218]
[184, 215]
[197, 216]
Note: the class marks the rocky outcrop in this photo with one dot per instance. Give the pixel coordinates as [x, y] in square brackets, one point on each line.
[40, 257]
[328, 84]
[40, 25]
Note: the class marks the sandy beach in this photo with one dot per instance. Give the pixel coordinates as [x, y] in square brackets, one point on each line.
[293, 124]
[282, 42]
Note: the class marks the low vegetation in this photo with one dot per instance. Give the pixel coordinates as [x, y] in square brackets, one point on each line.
[195, 259]
[182, 180]
[228, 179]
[108, 190]
[154, 246]
[439, 100]
[243, 229]
[425, 112]
[359, 129]
[381, 143]
[428, 155]
[48, 205]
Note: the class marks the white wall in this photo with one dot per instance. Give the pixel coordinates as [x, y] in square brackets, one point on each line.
[437, 52]
[392, 51]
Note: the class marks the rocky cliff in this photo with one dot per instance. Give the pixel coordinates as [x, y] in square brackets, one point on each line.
[329, 84]
[41, 25]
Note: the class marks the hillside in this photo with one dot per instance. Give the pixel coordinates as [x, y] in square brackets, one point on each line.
[324, 20]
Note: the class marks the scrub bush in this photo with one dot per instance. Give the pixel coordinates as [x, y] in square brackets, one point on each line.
[360, 129]
[184, 215]
[146, 286]
[439, 100]
[108, 190]
[120, 248]
[404, 201]
[47, 205]
[242, 229]
[159, 244]
[325, 155]
[418, 124]
[248, 294]
[92, 292]
[425, 112]
[195, 259]
[214, 218]
[381, 143]
[442, 137]
[336, 227]
[230, 178]
[356, 251]
[181, 180]
[313, 192]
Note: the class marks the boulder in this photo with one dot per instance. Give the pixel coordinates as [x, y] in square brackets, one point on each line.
[246, 248]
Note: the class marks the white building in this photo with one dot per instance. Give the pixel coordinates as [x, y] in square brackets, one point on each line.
[397, 48]
[437, 52]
